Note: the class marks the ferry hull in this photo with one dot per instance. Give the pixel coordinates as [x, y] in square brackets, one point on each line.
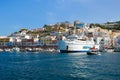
[72, 47]
[66, 51]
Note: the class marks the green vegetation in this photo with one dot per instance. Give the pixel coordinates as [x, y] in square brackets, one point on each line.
[48, 28]
[97, 25]
[23, 30]
[63, 25]
[115, 25]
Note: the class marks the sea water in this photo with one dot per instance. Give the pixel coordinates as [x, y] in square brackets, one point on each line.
[57, 66]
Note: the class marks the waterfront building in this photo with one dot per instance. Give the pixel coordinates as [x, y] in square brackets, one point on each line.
[4, 41]
[27, 42]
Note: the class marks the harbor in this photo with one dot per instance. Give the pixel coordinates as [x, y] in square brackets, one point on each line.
[70, 37]
[59, 40]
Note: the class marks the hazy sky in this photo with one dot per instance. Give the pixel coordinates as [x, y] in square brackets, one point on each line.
[17, 14]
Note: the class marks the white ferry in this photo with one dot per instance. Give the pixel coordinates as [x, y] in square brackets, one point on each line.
[76, 43]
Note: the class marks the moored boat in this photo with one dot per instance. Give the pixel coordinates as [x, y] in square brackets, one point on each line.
[117, 49]
[75, 45]
[16, 49]
[93, 51]
[109, 50]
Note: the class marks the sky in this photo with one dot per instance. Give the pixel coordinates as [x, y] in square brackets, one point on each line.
[30, 14]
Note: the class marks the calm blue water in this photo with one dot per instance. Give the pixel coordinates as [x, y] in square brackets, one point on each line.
[44, 66]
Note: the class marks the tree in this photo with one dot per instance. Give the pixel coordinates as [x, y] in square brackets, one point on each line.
[48, 28]
[23, 30]
[63, 25]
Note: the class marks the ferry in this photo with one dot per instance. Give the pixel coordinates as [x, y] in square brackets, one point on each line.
[76, 43]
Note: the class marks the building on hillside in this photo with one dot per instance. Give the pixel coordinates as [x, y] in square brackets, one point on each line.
[102, 34]
[110, 24]
[27, 42]
[38, 29]
[117, 43]
[45, 40]
[48, 40]
[118, 40]
[116, 36]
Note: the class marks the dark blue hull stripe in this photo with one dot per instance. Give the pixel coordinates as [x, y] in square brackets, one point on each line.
[65, 51]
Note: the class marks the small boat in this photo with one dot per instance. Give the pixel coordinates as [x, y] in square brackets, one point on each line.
[93, 51]
[109, 50]
[117, 49]
[16, 49]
